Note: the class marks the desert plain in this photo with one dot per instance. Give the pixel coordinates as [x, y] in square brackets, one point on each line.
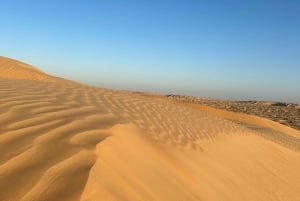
[65, 141]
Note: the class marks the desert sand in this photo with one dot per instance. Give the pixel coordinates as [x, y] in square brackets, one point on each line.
[65, 141]
[282, 112]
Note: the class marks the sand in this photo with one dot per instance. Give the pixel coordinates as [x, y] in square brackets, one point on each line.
[60, 140]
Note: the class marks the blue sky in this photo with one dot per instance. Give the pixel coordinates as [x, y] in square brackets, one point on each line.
[233, 49]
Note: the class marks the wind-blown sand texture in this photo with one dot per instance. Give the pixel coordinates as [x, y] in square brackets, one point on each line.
[284, 113]
[63, 141]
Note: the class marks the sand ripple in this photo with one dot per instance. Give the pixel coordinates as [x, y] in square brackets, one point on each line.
[61, 140]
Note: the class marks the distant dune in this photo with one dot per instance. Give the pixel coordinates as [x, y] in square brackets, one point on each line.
[64, 141]
[13, 69]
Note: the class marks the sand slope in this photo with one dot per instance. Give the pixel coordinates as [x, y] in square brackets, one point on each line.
[65, 141]
[13, 69]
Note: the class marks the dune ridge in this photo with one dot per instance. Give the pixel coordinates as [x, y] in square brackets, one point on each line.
[13, 69]
[61, 140]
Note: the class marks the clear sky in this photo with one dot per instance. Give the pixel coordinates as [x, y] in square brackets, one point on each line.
[233, 49]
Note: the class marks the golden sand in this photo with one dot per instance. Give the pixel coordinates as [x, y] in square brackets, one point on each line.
[60, 140]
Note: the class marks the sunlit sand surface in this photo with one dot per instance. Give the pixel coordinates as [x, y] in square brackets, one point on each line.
[64, 141]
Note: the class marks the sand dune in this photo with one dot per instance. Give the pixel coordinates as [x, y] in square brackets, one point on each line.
[13, 69]
[60, 140]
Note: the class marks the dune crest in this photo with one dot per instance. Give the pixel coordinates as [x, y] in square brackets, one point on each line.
[13, 69]
[65, 141]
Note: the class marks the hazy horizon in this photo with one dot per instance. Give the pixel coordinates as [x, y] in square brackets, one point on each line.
[221, 49]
